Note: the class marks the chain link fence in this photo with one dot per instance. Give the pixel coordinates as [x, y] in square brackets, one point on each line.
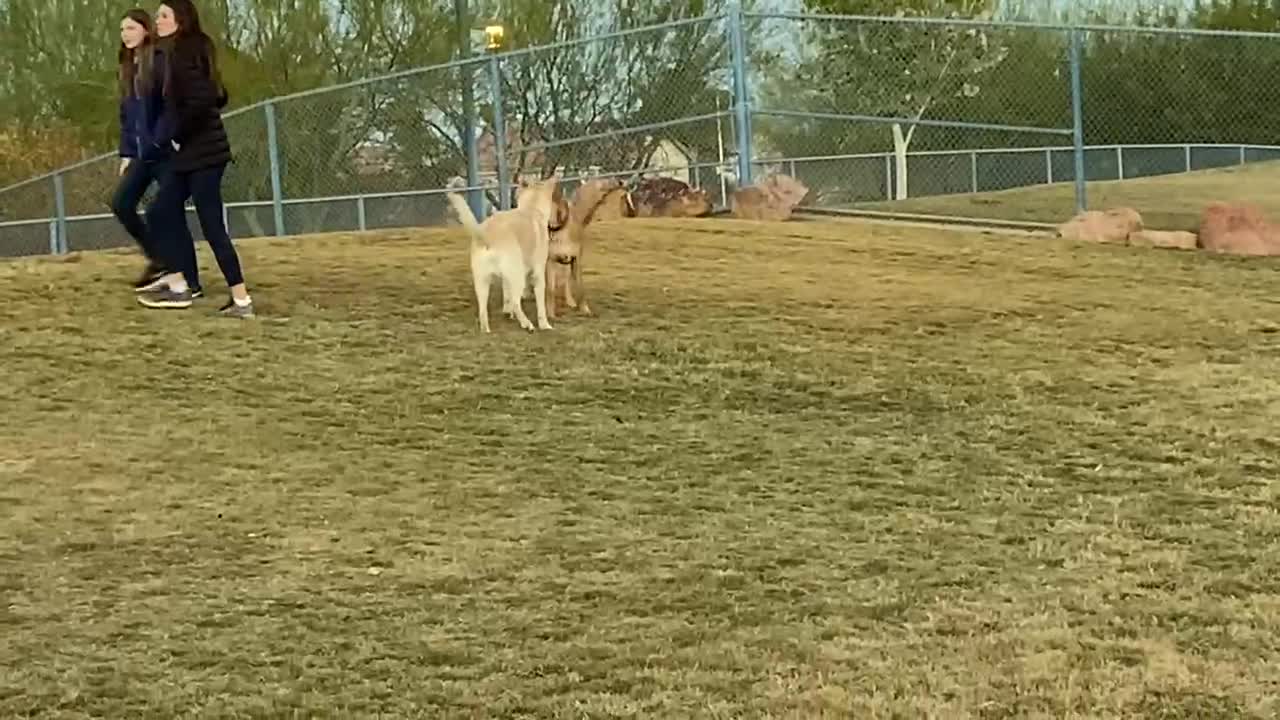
[864, 107]
[937, 116]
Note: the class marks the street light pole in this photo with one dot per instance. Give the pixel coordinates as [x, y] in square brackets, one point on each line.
[493, 44]
[463, 20]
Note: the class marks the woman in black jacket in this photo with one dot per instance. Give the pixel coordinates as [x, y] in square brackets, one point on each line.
[141, 163]
[194, 97]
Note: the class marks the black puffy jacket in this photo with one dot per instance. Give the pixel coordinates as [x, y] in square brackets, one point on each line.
[195, 100]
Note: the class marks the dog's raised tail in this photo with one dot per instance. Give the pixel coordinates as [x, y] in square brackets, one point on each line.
[463, 211]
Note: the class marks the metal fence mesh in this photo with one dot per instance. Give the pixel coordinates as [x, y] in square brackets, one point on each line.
[1208, 88]
[922, 115]
[870, 112]
[246, 187]
[28, 201]
[626, 98]
[1143, 89]
[400, 211]
[907, 68]
[401, 134]
[26, 213]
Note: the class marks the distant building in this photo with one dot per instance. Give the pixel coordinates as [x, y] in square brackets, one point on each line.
[672, 159]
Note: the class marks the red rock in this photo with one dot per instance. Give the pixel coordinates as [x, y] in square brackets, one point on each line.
[1238, 230]
[668, 197]
[1102, 226]
[1178, 240]
[773, 199]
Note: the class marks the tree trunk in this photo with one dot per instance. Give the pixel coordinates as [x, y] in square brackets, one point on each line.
[251, 218]
[900, 143]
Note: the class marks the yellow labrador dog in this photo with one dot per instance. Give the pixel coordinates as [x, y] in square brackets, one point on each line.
[511, 245]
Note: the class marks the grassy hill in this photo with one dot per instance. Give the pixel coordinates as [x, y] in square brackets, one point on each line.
[803, 470]
[1167, 202]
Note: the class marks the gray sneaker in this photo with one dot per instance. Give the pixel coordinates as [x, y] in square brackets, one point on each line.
[150, 286]
[166, 299]
[231, 309]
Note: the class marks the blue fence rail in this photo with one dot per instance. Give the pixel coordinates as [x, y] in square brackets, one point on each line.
[861, 108]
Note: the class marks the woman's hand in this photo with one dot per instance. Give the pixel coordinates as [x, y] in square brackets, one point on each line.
[124, 165]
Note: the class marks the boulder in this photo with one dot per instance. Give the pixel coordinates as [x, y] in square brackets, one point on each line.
[1102, 226]
[774, 198]
[1178, 240]
[1238, 230]
[668, 197]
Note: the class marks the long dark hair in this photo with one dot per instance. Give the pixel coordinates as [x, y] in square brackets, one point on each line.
[187, 19]
[135, 63]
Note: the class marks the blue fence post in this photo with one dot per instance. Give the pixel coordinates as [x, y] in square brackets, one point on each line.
[462, 22]
[741, 103]
[273, 154]
[1077, 118]
[499, 133]
[474, 196]
[60, 217]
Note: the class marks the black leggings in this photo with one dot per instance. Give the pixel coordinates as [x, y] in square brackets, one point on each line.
[124, 205]
[166, 217]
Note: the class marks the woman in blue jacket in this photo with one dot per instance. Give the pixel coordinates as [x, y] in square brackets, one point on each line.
[142, 159]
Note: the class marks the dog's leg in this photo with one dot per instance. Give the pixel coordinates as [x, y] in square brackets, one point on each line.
[583, 307]
[567, 279]
[553, 290]
[540, 296]
[509, 298]
[513, 273]
[481, 282]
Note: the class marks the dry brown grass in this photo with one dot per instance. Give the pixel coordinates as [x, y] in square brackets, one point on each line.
[1167, 202]
[802, 470]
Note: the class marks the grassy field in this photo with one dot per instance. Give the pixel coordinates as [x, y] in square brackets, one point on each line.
[791, 471]
[1167, 202]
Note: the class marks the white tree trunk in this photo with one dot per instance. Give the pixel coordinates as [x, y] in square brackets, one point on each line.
[255, 227]
[900, 143]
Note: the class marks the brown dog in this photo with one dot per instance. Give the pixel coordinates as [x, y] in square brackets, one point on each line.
[564, 259]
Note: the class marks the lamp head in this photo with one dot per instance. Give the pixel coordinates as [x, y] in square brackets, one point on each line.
[494, 35]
